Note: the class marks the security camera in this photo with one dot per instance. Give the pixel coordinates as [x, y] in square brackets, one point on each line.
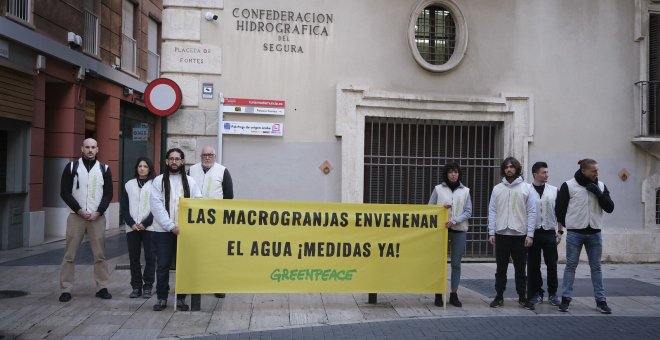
[210, 16]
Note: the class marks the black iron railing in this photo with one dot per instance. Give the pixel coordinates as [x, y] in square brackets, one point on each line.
[649, 102]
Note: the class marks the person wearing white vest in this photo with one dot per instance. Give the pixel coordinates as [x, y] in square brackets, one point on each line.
[166, 191]
[86, 187]
[580, 205]
[136, 212]
[511, 220]
[213, 179]
[455, 196]
[547, 235]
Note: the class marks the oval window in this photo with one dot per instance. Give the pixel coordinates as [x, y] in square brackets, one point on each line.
[437, 35]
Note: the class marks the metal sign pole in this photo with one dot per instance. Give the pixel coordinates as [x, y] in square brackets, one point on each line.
[221, 108]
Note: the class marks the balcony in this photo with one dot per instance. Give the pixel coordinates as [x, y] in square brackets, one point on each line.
[91, 38]
[128, 54]
[648, 136]
[20, 9]
[153, 66]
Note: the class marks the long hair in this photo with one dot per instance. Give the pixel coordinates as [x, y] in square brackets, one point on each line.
[449, 167]
[587, 162]
[150, 164]
[166, 179]
[513, 162]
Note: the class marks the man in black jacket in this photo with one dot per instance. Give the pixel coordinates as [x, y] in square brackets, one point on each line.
[580, 205]
[86, 187]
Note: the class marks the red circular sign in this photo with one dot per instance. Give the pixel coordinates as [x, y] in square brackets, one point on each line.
[162, 96]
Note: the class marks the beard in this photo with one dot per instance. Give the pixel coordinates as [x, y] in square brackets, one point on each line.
[173, 170]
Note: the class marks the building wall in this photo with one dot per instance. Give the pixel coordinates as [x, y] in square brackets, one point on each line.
[69, 85]
[574, 63]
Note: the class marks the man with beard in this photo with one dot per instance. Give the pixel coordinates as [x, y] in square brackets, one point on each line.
[167, 189]
[511, 221]
[580, 205]
[86, 187]
[214, 180]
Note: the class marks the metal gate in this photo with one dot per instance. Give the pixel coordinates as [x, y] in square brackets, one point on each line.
[403, 160]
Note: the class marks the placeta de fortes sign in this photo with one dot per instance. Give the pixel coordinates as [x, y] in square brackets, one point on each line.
[257, 106]
[252, 128]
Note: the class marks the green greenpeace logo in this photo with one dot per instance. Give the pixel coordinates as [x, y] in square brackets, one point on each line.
[285, 274]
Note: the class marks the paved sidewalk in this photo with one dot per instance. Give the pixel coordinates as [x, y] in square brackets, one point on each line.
[633, 293]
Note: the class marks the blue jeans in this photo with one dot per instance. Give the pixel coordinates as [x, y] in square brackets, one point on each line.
[165, 246]
[457, 246]
[594, 246]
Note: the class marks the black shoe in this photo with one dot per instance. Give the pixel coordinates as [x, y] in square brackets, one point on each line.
[103, 294]
[497, 302]
[146, 293]
[453, 300]
[565, 301]
[65, 297]
[603, 308]
[524, 303]
[438, 300]
[181, 305]
[160, 305]
[137, 292]
[220, 295]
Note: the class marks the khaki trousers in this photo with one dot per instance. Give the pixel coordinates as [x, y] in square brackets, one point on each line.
[76, 227]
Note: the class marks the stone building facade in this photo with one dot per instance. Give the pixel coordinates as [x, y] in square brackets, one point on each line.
[376, 96]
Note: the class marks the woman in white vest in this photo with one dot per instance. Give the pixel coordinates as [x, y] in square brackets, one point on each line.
[136, 211]
[455, 196]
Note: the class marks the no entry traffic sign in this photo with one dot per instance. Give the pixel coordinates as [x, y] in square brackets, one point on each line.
[162, 96]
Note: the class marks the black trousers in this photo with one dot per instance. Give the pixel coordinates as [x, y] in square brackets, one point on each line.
[136, 240]
[545, 241]
[507, 246]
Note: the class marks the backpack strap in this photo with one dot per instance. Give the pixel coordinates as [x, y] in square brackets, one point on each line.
[74, 172]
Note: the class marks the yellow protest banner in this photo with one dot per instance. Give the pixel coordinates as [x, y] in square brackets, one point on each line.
[240, 246]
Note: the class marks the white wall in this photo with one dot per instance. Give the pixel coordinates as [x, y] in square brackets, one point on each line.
[578, 60]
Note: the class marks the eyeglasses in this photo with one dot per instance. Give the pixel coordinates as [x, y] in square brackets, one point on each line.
[174, 159]
[209, 155]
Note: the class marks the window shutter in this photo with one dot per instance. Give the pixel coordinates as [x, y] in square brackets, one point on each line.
[16, 95]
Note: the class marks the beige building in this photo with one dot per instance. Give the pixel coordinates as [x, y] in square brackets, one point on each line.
[364, 101]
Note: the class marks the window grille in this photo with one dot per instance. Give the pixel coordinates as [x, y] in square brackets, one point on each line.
[20, 9]
[657, 206]
[435, 34]
[652, 89]
[403, 160]
[91, 34]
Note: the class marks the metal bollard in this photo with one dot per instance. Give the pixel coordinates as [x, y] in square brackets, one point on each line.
[195, 302]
